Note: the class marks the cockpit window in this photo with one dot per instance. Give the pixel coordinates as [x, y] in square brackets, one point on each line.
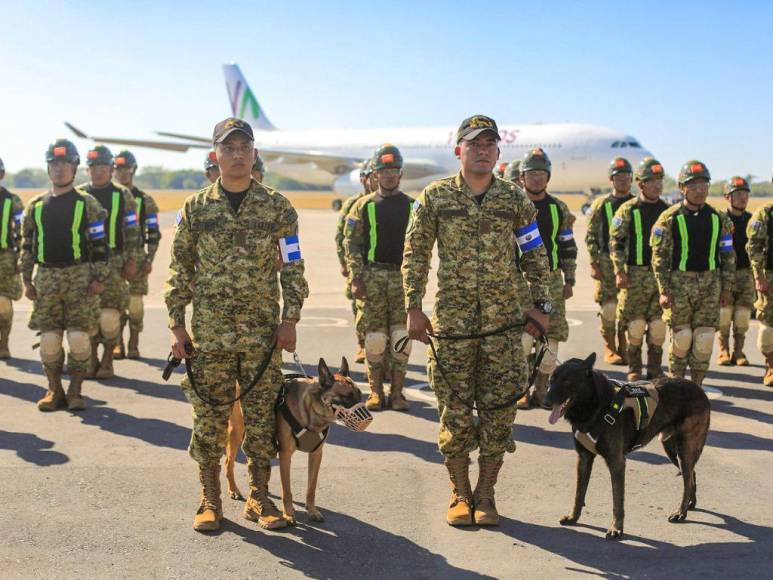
[634, 144]
[616, 144]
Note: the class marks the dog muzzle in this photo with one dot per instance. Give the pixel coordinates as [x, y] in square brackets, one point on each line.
[356, 418]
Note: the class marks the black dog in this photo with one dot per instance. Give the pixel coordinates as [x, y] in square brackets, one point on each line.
[585, 398]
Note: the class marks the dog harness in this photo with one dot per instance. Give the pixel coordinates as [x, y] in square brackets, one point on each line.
[305, 439]
[641, 397]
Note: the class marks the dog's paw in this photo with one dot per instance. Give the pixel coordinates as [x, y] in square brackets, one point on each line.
[289, 518]
[236, 494]
[677, 516]
[614, 533]
[315, 515]
[569, 520]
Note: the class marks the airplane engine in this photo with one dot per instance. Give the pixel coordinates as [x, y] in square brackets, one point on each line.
[348, 184]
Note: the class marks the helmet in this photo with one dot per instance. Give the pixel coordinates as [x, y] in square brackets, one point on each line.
[536, 160]
[513, 170]
[619, 165]
[258, 165]
[366, 168]
[125, 159]
[387, 156]
[649, 168]
[100, 155]
[736, 183]
[64, 150]
[693, 170]
[499, 170]
[211, 161]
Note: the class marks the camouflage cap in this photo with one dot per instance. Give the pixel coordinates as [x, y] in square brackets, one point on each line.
[693, 170]
[99, 155]
[736, 183]
[619, 165]
[211, 161]
[228, 126]
[259, 165]
[536, 160]
[62, 149]
[513, 170]
[386, 157]
[649, 168]
[125, 159]
[473, 126]
[499, 169]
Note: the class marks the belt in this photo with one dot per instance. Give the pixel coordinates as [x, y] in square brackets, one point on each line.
[384, 266]
[704, 273]
[60, 264]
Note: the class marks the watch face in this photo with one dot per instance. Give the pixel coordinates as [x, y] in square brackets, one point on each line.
[547, 308]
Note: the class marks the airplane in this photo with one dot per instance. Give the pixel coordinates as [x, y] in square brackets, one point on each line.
[580, 153]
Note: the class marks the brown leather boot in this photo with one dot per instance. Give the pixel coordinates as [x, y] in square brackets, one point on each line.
[611, 355]
[460, 507]
[133, 348]
[259, 508]
[75, 400]
[54, 399]
[397, 400]
[376, 398]
[654, 361]
[5, 333]
[91, 373]
[622, 344]
[768, 379]
[738, 356]
[105, 370]
[634, 362]
[540, 389]
[485, 506]
[697, 377]
[723, 358]
[210, 512]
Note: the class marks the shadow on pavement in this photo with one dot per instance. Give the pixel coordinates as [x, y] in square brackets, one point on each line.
[32, 448]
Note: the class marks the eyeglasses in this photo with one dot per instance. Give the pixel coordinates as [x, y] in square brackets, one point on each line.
[245, 149]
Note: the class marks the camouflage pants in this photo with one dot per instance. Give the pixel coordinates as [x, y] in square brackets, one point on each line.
[62, 304]
[642, 299]
[10, 284]
[764, 303]
[744, 294]
[116, 294]
[138, 287]
[382, 311]
[559, 327]
[216, 375]
[488, 371]
[695, 304]
[606, 289]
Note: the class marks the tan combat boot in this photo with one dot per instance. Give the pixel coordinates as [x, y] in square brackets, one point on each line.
[697, 377]
[5, 333]
[91, 373]
[119, 350]
[460, 507]
[54, 399]
[524, 402]
[654, 361]
[259, 508]
[360, 356]
[723, 358]
[375, 400]
[210, 512]
[133, 348]
[634, 362]
[75, 400]
[540, 389]
[622, 344]
[610, 354]
[768, 379]
[738, 356]
[397, 400]
[485, 507]
[105, 370]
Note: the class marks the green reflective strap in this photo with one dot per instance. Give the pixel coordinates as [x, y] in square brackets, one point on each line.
[114, 217]
[77, 218]
[5, 224]
[554, 236]
[373, 233]
[610, 214]
[39, 224]
[139, 207]
[639, 237]
[680, 221]
[714, 239]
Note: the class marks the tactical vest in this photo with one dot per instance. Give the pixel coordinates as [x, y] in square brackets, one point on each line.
[8, 221]
[696, 240]
[385, 221]
[740, 222]
[609, 208]
[112, 200]
[549, 220]
[60, 234]
[643, 217]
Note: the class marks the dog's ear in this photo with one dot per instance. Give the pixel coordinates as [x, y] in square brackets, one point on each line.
[325, 376]
[590, 361]
[344, 366]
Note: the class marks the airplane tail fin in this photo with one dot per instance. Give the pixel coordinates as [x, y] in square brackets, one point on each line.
[244, 105]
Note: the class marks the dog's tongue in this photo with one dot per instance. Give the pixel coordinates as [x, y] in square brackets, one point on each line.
[555, 414]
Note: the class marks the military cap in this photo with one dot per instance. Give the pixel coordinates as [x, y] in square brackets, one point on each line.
[693, 170]
[736, 183]
[649, 168]
[62, 149]
[125, 159]
[473, 126]
[619, 165]
[228, 126]
[99, 155]
[536, 160]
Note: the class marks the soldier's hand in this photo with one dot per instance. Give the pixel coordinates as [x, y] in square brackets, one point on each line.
[285, 336]
[568, 291]
[418, 325]
[725, 298]
[95, 288]
[30, 291]
[358, 289]
[595, 271]
[180, 338]
[622, 280]
[129, 269]
[147, 267]
[666, 301]
[541, 319]
[761, 285]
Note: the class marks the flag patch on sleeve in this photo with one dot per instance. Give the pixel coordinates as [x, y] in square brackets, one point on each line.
[528, 237]
[96, 230]
[290, 248]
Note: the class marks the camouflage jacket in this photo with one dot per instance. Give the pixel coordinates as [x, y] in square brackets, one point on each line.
[558, 236]
[620, 232]
[11, 210]
[226, 264]
[147, 218]
[128, 223]
[599, 215]
[477, 287]
[663, 248]
[347, 205]
[758, 246]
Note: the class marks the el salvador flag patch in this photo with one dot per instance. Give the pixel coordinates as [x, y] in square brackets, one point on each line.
[17, 217]
[528, 237]
[96, 230]
[657, 232]
[178, 218]
[416, 205]
[290, 248]
[617, 221]
[131, 218]
[152, 220]
[726, 243]
[565, 236]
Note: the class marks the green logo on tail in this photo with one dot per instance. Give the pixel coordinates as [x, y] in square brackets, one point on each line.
[249, 99]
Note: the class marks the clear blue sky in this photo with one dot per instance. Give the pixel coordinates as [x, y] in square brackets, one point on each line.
[688, 79]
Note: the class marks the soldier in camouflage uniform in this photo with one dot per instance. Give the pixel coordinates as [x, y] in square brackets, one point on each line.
[224, 261]
[694, 265]
[258, 169]
[211, 169]
[631, 255]
[150, 236]
[123, 238]
[556, 225]
[739, 312]
[499, 170]
[11, 209]
[597, 239]
[374, 243]
[473, 217]
[365, 173]
[513, 173]
[64, 235]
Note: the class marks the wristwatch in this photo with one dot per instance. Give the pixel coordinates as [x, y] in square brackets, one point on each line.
[544, 306]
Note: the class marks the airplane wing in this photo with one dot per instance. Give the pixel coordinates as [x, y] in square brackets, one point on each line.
[200, 143]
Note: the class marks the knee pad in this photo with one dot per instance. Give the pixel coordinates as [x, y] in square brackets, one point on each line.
[50, 346]
[703, 342]
[110, 323]
[636, 330]
[725, 317]
[6, 307]
[548, 364]
[375, 345]
[527, 342]
[656, 332]
[609, 311]
[741, 319]
[80, 344]
[681, 340]
[136, 307]
[396, 335]
[765, 339]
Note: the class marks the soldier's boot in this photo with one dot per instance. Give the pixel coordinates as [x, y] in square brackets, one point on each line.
[133, 348]
[540, 389]
[622, 344]
[210, 512]
[768, 379]
[610, 354]
[723, 358]
[634, 362]
[105, 370]
[654, 362]
[738, 356]
[75, 400]
[697, 377]
[485, 506]
[397, 400]
[375, 400]
[524, 402]
[119, 350]
[91, 373]
[259, 508]
[54, 399]
[5, 333]
[360, 356]
[460, 506]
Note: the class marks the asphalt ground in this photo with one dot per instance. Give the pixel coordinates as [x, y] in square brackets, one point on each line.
[111, 492]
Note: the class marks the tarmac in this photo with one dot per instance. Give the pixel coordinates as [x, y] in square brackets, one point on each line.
[110, 492]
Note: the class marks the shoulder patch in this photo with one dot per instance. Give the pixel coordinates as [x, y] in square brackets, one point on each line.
[179, 217]
[617, 221]
[657, 232]
[756, 225]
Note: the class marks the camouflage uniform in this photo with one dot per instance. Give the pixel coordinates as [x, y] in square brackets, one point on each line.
[11, 209]
[341, 252]
[150, 236]
[760, 234]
